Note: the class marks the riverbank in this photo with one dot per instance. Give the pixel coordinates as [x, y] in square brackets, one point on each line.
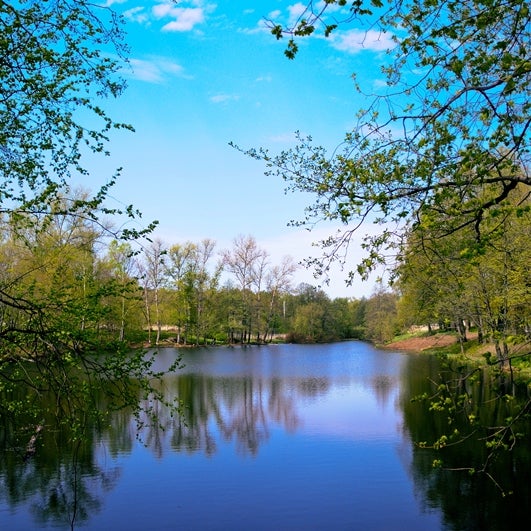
[424, 342]
[472, 351]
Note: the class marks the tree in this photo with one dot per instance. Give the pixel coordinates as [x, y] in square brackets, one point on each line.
[121, 265]
[380, 316]
[188, 267]
[278, 282]
[246, 261]
[154, 278]
[205, 286]
[448, 139]
[454, 279]
[455, 116]
[310, 321]
[178, 267]
[59, 60]
[54, 75]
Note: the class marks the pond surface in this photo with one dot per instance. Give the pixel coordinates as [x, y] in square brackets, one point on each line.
[280, 437]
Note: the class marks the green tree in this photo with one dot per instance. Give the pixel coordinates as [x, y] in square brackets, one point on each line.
[179, 269]
[380, 316]
[188, 266]
[278, 282]
[311, 322]
[55, 75]
[450, 277]
[246, 261]
[447, 140]
[59, 60]
[124, 300]
[308, 323]
[454, 117]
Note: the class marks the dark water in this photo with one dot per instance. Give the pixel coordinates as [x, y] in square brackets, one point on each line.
[280, 437]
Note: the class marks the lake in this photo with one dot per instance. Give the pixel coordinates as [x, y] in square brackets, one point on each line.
[277, 437]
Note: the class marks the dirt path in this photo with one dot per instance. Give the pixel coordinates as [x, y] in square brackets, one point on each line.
[418, 344]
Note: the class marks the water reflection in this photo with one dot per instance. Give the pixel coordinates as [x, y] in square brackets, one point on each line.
[346, 409]
[239, 395]
[240, 410]
[499, 487]
[62, 486]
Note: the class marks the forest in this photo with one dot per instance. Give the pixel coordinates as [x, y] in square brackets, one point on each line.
[93, 290]
[439, 163]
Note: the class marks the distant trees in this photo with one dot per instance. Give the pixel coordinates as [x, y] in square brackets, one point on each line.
[247, 262]
[192, 282]
[237, 296]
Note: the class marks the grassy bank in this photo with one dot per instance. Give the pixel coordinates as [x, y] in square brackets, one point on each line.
[471, 351]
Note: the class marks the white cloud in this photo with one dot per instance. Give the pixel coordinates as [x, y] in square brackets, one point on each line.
[136, 14]
[295, 11]
[184, 18]
[223, 98]
[163, 10]
[354, 41]
[274, 14]
[155, 70]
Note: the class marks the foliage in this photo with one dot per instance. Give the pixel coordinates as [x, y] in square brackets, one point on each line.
[452, 277]
[54, 74]
[458, 407]
[59, 60]
[455, 117]
[440, 162]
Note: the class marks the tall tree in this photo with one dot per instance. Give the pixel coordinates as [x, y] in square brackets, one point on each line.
[455, 116]
[245, 261]
[206, 284]
[154, 279]
[59, 60]
[122, 267]
[454, 278]
[178, 267]
[279, 281]
[380, 316]
[188, 265]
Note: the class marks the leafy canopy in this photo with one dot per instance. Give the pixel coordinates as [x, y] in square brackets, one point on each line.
[455, 116]
[59, 60]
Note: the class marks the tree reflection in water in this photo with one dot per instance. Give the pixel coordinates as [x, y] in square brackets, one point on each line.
[65, 486]
[62, 485]
[475, 479]
[238, 409]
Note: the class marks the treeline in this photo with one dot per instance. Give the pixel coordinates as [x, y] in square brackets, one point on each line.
[256, 302]
[62, 282]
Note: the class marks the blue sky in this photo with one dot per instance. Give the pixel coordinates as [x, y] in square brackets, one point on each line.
[204, 74]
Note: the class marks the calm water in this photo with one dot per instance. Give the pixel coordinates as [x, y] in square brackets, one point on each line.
[280, 437]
